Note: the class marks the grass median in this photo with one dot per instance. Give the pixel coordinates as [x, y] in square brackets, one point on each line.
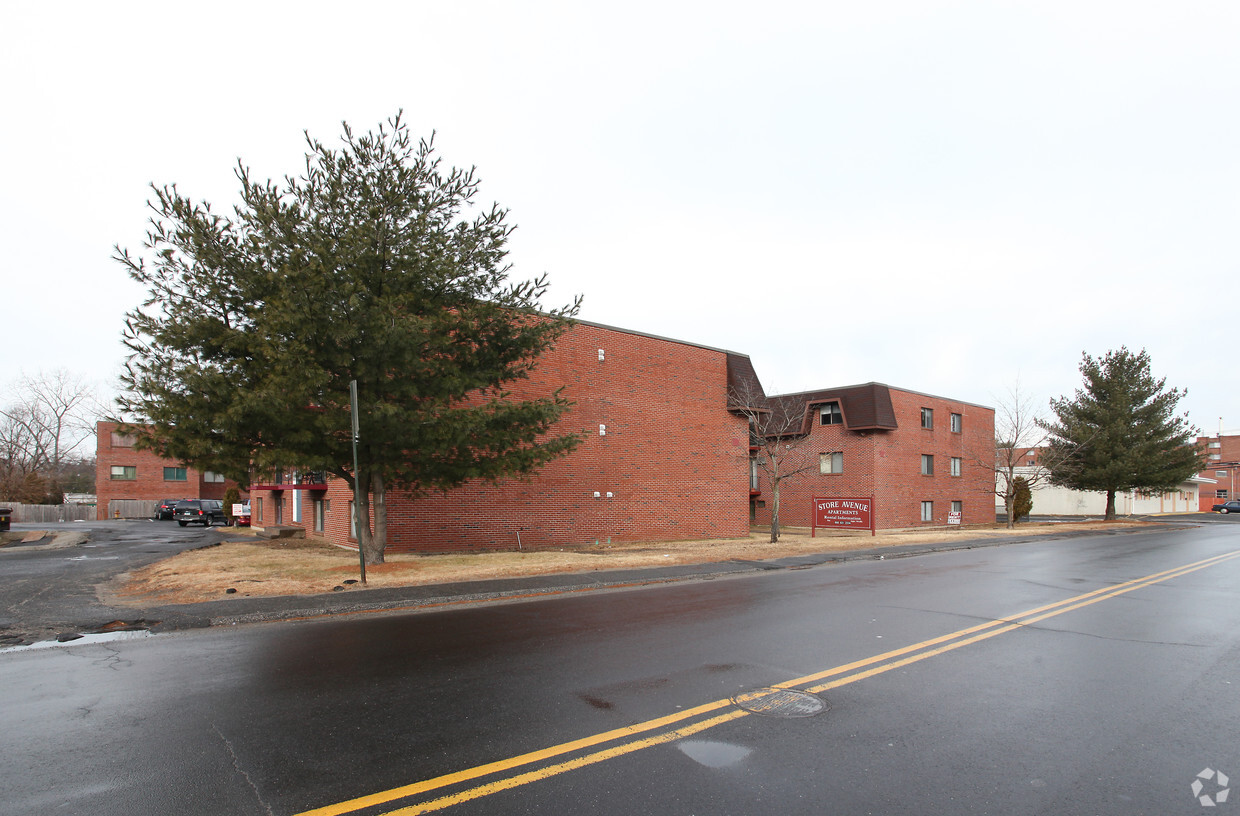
[261, 567]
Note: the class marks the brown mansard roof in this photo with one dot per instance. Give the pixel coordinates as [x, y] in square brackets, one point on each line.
[865, 407]
[744, 387]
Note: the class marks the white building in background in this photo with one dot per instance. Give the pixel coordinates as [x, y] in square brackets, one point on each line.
[1049, 500]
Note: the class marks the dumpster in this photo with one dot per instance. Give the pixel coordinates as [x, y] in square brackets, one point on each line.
[6, 518]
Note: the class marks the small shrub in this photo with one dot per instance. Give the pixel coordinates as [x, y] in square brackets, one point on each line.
[231, 496]
[1022, 499]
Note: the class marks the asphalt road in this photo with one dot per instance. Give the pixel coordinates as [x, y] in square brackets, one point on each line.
[49, 589]
[1082, 675]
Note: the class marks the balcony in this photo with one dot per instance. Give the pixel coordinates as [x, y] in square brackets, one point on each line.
[292, 480]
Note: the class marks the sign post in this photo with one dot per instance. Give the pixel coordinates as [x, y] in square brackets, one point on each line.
[843, 514]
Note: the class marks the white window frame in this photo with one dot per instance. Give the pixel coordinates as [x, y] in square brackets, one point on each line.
[957, 423]
[927, 511]
[128, 473]
[927, 464]
[957, 465]
[927, 418]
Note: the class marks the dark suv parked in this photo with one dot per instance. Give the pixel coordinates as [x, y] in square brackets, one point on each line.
[200, 511]
[164, 509]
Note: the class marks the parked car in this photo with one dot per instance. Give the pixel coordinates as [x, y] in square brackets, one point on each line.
[200, 511]
[164, 509]
[1232, 506]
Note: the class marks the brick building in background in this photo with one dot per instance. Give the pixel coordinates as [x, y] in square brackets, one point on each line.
[1223, 466]
[665, 455]
[919, 457]
[124, 473]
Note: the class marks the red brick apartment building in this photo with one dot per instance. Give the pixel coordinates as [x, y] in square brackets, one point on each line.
[1223, 466]
[919, 457]
[124, 472]
[665, 456]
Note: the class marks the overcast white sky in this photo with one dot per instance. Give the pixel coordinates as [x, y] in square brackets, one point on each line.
[941, 196]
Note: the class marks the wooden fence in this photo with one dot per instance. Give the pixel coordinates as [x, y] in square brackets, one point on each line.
[132, 508]
[48, 513]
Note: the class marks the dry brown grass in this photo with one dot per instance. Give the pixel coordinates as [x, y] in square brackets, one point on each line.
[302, 567]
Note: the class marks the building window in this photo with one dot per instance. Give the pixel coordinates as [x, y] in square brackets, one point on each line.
[830, 414]
[120, 440]
[831, 462]
[927, 417]
[1220, 494]
[927, 511]
[927, 465]
[957, 465]
[258, 505]
[124, 472]
[1222, 474]
[211, 476]
[1216, 444]
[174, 474]
[753, 479]
[957, 423]
[957, 507]
[1216, 456]
[297, 506]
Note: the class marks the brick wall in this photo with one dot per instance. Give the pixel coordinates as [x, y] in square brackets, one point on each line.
[886, 464]
[1223, 466]
[673, 459]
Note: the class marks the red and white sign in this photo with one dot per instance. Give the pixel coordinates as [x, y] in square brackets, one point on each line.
[953, 517]
[843, 513]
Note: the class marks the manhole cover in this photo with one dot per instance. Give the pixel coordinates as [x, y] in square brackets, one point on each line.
[775, 702]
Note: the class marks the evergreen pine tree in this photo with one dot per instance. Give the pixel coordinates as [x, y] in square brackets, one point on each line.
[365, 268]
[1120, 432]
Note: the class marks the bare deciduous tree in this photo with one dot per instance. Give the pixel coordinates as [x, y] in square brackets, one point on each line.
[45, 426]
[1019, 438]
[777, 435]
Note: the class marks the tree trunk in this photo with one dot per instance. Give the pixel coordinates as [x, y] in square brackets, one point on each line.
[1009, 504]
[774, 511]
[1110, 515]
[371, 552]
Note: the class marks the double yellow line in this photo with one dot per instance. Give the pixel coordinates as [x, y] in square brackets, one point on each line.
[686, 723]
